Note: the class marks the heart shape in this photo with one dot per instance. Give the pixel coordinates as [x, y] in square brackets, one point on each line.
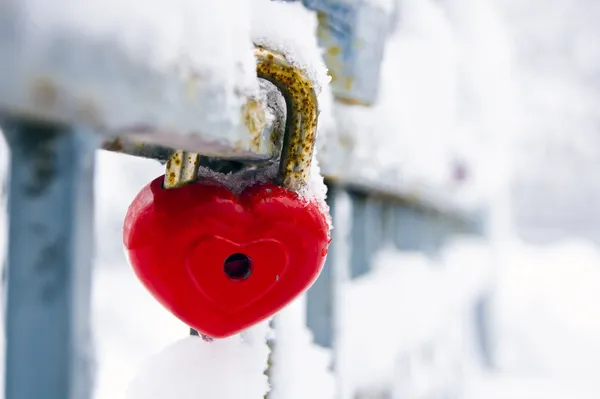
[205, 265]
[222, 262]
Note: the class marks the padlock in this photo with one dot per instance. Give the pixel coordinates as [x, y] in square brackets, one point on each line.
[220, 259]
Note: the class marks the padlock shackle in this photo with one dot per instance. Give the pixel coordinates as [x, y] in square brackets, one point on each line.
[300, 125]
[301, 117]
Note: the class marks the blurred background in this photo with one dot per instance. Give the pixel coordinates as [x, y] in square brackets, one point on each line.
[464, 196]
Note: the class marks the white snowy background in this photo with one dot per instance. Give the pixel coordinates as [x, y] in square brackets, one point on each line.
[510, 87]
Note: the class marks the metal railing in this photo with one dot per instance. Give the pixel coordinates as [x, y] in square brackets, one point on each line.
[64, 96]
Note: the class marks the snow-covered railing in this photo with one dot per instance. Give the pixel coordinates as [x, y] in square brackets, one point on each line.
[94, 67]
[150, 76]
[140, 78]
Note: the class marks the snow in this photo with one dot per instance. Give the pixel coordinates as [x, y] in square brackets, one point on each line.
[460, 82]
[192, 55]
[406, 302]
[289, 28]
[408, 325]
[447, 100]
[547, 323]
[177, 31]
[192, 368]
[552, 295]
[385, 5]
[527, 387]
[556, 193]
[300, 368]
[417, 64]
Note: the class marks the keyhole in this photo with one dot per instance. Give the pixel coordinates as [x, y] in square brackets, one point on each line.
[238, 267]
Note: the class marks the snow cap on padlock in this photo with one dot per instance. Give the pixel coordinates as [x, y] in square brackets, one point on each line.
[219, 260]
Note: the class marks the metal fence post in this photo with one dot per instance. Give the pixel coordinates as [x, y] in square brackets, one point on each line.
[320, 297]
[360, 259]
[408, 229]
[374, 229]
[418, 230]
[49, 261]
[388, 225]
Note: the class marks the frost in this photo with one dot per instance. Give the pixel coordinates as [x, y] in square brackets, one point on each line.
[237, 182]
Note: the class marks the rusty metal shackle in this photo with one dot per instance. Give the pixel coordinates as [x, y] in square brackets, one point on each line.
[300, 126]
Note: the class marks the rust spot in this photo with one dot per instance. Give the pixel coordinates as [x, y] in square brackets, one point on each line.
[115, 145]
[332, 75]
[348, 82]
[238, 146]
[179, 173]
[351, 101]
[323, 20]
[254, 119]
[334, 51]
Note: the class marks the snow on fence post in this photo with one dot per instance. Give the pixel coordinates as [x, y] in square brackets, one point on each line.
[50, 246]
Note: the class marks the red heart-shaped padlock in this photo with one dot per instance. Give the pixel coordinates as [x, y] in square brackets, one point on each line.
[222, 262]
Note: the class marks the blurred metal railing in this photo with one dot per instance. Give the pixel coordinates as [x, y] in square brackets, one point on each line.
[374, 221]
[63, 96]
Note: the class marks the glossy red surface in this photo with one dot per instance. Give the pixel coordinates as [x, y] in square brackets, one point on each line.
[178, 241]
